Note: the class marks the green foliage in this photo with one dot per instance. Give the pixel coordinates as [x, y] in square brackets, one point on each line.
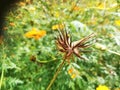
[29, 64]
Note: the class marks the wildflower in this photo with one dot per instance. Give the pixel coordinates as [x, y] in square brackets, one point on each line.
[117, 22]
[70, 71]
[22, 4]
[54, 27]
[57, 26]
[73, 76]
[101, 5]
[73, 72]
[57, 14]
[12, 24]
[111, 35]
[102, 87]
[76, 8]
[32, 9]
[36, 34]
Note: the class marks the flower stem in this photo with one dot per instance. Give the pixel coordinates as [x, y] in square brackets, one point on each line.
[1, 79]
[55, 75]
[43, 62]
[3, 69]
[114, 52]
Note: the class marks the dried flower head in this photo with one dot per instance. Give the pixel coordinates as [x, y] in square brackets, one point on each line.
[68, 47]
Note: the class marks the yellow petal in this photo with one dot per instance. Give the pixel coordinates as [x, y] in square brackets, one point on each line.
[36, 34]
[101, 6]
[70, 71]
[117, 22]
[102, 87]
[73, 76]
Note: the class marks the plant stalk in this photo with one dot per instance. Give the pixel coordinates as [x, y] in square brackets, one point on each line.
[114, 52]
[1, 79]
[55, 75]
[44, 62]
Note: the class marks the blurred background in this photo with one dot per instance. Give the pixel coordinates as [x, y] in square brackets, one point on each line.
[29, 57]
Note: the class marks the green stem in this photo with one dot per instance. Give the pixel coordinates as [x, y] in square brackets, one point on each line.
[1, 78]
[114, 52]
[43, 62]
[3, 69]
[55, 75]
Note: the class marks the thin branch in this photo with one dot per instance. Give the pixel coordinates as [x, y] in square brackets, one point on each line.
[55, 75]
[43, 62]
[114, 52]
[2, 75]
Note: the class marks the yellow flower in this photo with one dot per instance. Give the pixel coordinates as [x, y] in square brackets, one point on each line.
[57, 26]
[117, 22]
[73, 72]
[12, 24]
[36, 34]
[22, 4]
[111, 35]
[73, 76]
[70, 71]
[101, 5]
[76, 8]
[54, 27]
[32, 9]
[102, 87]
[57, 14]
